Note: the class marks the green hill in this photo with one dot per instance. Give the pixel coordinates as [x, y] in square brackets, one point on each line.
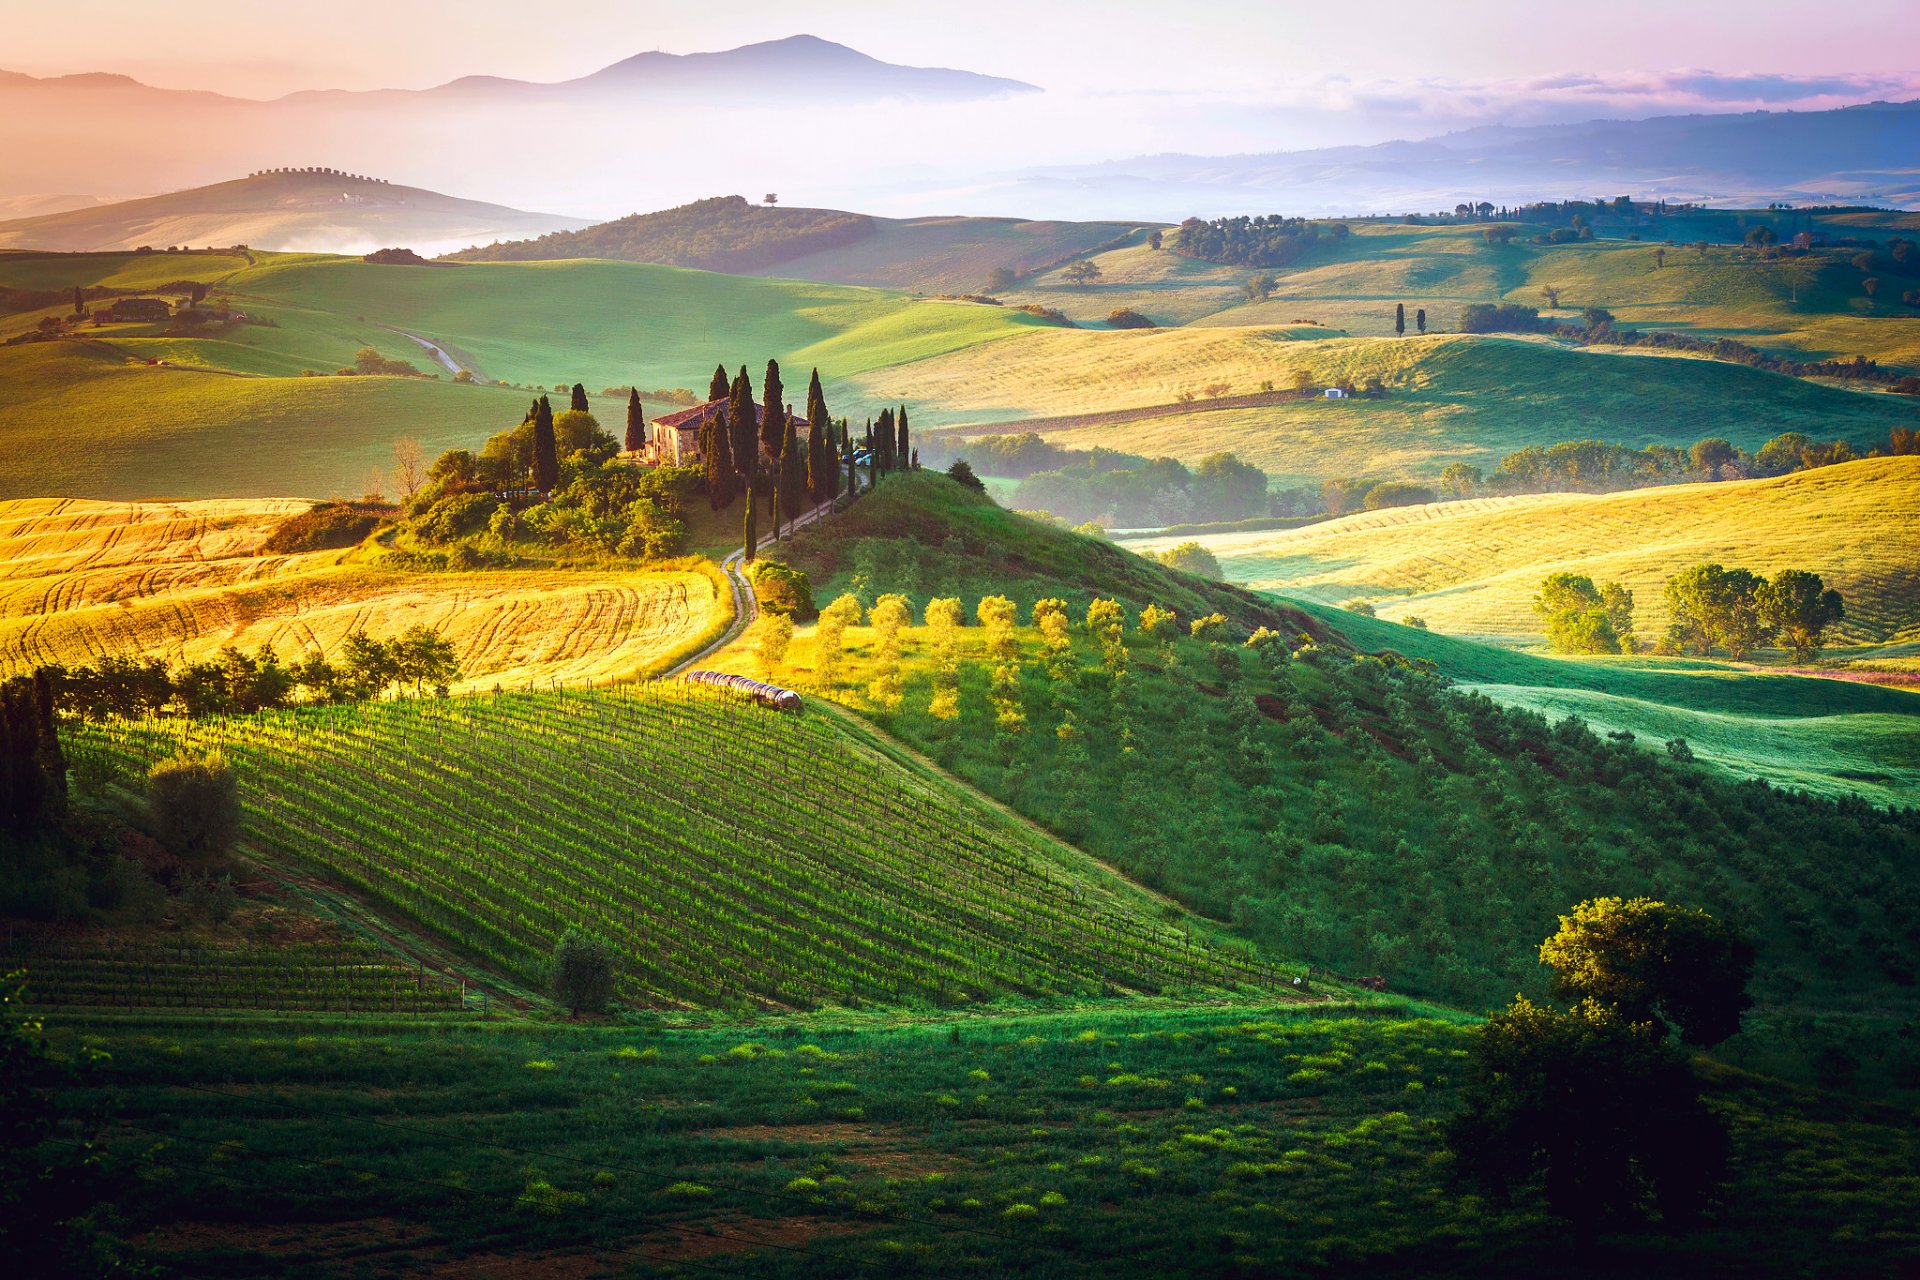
[700, 833]
[1359, 814]
[1474, 567]
[725, 233]
[1448, 398]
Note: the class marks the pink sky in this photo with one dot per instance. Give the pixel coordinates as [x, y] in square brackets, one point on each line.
[1286, 48]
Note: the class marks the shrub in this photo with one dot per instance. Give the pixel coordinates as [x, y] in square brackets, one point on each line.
[1396, 493]
[194, 803]
[1128, 318]
[783, 590]
[1191, 557]
[584, 971]
[327, 527]
[962, 473]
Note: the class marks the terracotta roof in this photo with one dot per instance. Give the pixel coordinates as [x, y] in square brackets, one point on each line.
[693, 417]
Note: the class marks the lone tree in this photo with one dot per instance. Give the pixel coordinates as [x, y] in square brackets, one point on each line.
[717, 389]
[1155, 239]
[1591, 1111]
[903, 454]
[584, 971]
[546, 458]
[194, 805]
[1082, 272]
[1400, 319]
[1651, 962]
[1420, 319]
[1798, 607]
[750, 532]
[636, 422]
[79, 302]
[579, 402]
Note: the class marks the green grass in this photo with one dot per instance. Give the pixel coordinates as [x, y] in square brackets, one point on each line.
[83, 421]
[1837, 738]
[1474, 567]
[1143, 1140]
[27, 270]
[601, 323]
[700, 835]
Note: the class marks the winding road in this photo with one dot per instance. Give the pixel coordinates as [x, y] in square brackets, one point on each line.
[451, 365]
[745, 607]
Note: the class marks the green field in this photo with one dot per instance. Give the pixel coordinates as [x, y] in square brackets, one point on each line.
[1134, 1141]
[693, 817]
[1830, 737]
[1474, 567]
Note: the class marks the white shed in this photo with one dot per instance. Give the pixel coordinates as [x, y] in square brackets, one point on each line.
[1336, 393]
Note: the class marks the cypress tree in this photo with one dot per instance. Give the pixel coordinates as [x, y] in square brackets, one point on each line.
[746, 439]
[723, 471]
[1420, 319]
[846, 451]
[717, 389]
[884, 437]
[751, 535]
[636, 422]
[821, 464]
[579, 404]
[904, 454]
[53, 761]
[793, 473]
[1400, 319]
[773, 422]
[79, 302]
[546, 458]
[873, 457]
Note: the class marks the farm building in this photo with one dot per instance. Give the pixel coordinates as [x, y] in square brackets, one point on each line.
[1336, 393]
[673, 439]
[127, 310]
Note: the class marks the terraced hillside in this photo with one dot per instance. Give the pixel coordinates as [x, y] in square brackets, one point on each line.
[1448, 398]
[79, 580]
[1473, 567]
[732, 853]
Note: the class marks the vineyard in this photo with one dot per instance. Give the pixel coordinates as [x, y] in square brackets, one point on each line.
[338, 976]
[732, 854]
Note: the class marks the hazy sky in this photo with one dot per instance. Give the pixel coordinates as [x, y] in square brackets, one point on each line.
[1287, 48]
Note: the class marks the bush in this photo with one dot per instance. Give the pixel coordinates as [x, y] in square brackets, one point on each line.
[962, 473]
[195, 806]
[327, 527]
[783, 590]
[1191, 557]
[454, 517]
[1396, 493]
[1128, 318]
[584, 971]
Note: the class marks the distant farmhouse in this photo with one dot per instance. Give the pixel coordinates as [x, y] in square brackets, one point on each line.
[130, 310]
[1337, 393]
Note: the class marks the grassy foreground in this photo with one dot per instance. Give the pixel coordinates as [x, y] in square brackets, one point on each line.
[1245, 1140]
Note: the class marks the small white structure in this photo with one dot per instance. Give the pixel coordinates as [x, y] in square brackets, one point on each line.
[1336, 393]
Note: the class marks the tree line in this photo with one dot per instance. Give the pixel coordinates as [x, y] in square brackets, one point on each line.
[1596, 466]
[418, 660]
[1709, 607]
[1269, 240]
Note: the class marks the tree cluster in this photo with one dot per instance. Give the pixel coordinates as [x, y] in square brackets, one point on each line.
[723, 233]
[1126, 491]
[1711, 607]
[1269, 240]
[1583, 618]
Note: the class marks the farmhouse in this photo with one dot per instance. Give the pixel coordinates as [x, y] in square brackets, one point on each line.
[127, 310]
[673, 439]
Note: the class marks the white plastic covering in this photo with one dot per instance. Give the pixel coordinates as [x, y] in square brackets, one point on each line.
[771, 694]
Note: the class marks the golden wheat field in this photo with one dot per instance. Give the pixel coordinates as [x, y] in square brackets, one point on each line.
[1473, 567]
[81, 579]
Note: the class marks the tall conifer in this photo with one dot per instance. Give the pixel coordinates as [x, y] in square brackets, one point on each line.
[1400, 319]
[546, 459]
[717, 389]
[773, 427]
[745, 441]
[904, 454]
[579, 402]
[751, 534]
[636, 422]
[793, 473]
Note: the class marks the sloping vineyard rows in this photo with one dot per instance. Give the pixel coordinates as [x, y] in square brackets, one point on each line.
[729, 851]
[341, 977]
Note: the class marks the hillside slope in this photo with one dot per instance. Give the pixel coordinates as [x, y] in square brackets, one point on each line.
[1473, 567]
[697, 831]
[329, 212]
[1448, 398]
[79, 580]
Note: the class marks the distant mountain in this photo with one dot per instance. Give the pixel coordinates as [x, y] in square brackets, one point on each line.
[303, 210]
[1850, 154]
[798, 69]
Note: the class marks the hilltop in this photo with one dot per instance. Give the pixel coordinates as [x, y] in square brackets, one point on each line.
[950, 255]
[1473, 567]
[301, 210]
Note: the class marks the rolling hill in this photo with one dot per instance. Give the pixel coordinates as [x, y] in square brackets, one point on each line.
[1473, 567]
[929, 255]
[1449, 398]
[80, 580]
[328, 212]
